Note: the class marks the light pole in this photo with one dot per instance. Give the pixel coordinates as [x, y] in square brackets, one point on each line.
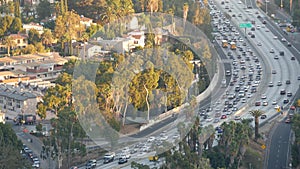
[267, 7]
[281, 4]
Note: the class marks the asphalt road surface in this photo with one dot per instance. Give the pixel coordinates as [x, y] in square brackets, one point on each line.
[279, 147]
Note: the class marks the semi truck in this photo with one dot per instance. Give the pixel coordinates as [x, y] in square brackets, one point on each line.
[29, 119]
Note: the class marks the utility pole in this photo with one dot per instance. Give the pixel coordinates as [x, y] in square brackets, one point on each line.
[267, 7]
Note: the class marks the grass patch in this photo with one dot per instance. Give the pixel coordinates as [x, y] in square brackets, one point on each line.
[252, 158]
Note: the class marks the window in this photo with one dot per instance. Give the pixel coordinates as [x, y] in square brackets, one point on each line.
[18, 41]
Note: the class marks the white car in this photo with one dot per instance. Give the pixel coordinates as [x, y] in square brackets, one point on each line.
[275, 37]
[265, 103]
[249, 95]
[150, 139]
[283, 40]
[243, 100]
[277, 107]
[263, 96]
[209, 119]
[163, 137]
[274, 102]
[259, 44]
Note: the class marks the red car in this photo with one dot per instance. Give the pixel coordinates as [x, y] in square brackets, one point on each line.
[223, 117]
[292, 107]
[257, 103]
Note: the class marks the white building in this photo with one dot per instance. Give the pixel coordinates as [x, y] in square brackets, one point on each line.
[33, 25]
[14, 100]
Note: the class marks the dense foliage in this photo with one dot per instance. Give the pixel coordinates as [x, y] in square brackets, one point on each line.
[10, 147]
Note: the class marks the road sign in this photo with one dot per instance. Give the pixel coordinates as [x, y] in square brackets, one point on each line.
[263, 146]
[245, 25]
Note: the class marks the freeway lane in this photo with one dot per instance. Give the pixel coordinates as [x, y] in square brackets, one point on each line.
[279, 147]
[285, 69]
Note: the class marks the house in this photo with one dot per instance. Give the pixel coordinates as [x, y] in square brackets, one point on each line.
[86, 22]
[14, 100]
[44, 66]
[90, 51]
[33, 25]
[138, 38]
[21, 40]
[120, 45]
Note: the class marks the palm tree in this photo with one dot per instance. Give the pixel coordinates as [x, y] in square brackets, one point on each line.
[10, 43]
[256, 114]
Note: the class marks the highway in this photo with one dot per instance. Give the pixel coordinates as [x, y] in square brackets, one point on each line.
[286, 69]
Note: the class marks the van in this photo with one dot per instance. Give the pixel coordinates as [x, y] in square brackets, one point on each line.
[281, 53]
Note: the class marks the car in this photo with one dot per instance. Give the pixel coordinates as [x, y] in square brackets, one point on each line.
[287, 120]
[74, 167]
[258, 16]
[122, 160]
[253, 29]
[263, 116]
[282, 92]
[228, 73]
[292, 108]
[274, 71]
[289, 44]
[216, 120]
[293, 58]
[271, 84]
[249, 95]
[209, 119]
[90, 166]
[281, 53]
[243, 100]
[272, 50]
[264, 22]
[237, 117]
[277, 107]
[109, 157]
[285, 101]
[252, 36]
[289, 94]
[36, 165]
[151, 139]
[259, 44]
[223, 116]
[265, 103]
[274, 102]
[287, 82]
[276, 57]
[263, 96]
[257, 103]
[283, 40]
[275, 37]
[279, 83]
